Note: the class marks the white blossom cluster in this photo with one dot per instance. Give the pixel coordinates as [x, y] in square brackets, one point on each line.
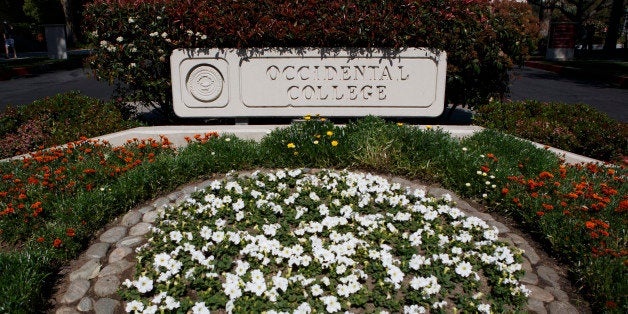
[292, 242]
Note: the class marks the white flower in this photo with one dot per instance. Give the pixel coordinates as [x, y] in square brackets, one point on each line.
[134, 306]
[153, 34]
[413, 309]
[484, 308]
[200, 308]
[131, 20]
[331, 304]
[304, 308]
[218, 236]
[120, 39]
[316, 290]
[150, 309]
[143, 284]
[464, 269]
[171, 303]
[164, 35]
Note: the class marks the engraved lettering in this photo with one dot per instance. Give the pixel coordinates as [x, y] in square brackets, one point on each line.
[401, 74]
[308, 92]
[345, 72]
[285, 70]
[338, 97]
[385, 73]
[352, 94]
[300, 72]
[292, 89]
[359, 69]
[367, 91]
[330, 75]
[320, 93]
[373, 67]
[272, 72]
[381, 92]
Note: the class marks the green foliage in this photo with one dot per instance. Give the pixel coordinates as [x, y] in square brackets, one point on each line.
[57, 120]
[577, 128]
[506, 174]
[43, 11]
[132, 40]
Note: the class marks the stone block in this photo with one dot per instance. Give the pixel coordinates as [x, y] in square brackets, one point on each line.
[293, 82]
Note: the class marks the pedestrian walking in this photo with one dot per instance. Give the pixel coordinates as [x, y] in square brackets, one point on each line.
[9, 42]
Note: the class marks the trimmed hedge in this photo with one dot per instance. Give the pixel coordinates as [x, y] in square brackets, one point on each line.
[57, 120]
[577, 128]
[134, 38]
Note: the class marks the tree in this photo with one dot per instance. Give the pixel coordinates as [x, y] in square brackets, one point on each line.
[613, 25]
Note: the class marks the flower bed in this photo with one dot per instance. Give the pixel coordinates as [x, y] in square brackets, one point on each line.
[330, 241]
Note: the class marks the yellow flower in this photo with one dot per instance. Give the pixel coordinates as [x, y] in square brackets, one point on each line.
[317, 136]
[296, 153]
[330, 133]
[399, 123]
[307, 117]
[428, 127]
[334, 143]
[291, 145]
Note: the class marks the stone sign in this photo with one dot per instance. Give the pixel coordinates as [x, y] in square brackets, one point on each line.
[292, 82]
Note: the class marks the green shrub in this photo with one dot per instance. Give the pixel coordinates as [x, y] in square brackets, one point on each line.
[133, 39]
[577, 128]
[57, 120]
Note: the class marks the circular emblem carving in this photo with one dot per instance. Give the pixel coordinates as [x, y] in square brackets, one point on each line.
[205, 83]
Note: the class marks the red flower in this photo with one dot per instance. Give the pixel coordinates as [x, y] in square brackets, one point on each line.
[594, 235]
[540, 213]
[40, 239]
[485, 168]
[57, 243]
[70, 232]
[547, 206]
[504, 191]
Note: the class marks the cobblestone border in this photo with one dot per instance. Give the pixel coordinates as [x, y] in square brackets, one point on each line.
[90, 283]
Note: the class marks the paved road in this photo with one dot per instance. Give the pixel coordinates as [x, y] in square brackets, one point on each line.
[528, 83]
[20, 91]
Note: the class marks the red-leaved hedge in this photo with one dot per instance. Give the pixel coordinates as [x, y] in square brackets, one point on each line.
[483, 39]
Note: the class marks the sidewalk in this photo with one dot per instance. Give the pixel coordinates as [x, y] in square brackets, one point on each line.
[8, 71]
[620, 81]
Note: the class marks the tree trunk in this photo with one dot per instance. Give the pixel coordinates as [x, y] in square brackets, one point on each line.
[69, 21]
[612, 32]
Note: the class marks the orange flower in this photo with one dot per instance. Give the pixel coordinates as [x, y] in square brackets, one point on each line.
[534, 194]
[504, 191]
[485, 168]
[57, 243]
[547, 206]
[70, 232]
[40, 239]
[594, 235]
[546, 174]
[540, 213]
[590, 224]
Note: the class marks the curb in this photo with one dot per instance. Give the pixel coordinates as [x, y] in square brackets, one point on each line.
[617, 80]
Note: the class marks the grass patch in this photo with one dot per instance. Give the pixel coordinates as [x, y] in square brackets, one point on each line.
[70, 193]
